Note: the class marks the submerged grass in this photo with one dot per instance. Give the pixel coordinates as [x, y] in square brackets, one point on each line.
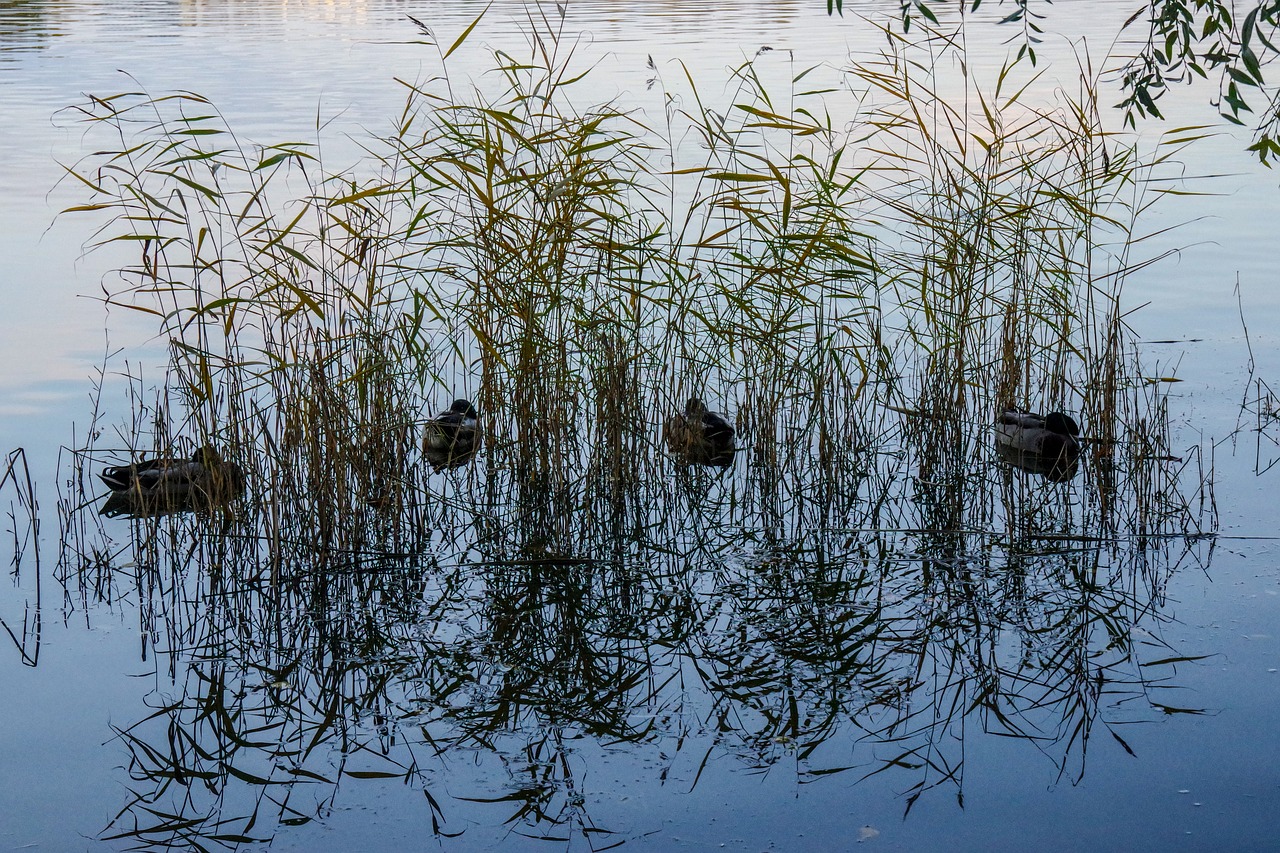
[860, 293]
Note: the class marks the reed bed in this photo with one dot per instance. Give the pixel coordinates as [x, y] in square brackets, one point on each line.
[860, 294]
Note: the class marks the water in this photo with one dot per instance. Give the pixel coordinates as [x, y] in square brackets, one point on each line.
[1195, 781]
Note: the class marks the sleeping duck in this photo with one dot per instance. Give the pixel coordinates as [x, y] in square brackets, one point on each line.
[452, 437]
[1044, 444]
[699, 436]
[157, 486]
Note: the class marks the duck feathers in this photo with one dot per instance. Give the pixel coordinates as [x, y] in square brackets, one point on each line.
[1046, 444]
[452, 437]
[161, 485]
[699, 436]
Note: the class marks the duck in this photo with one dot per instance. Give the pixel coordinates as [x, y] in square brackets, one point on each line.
[154, 486]
[452, 437]
[699, 436]
[1046, 444]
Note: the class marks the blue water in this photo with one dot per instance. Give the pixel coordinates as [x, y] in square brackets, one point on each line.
[1194, 781]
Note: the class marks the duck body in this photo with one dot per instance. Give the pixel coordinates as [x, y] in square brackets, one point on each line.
[162, 485]
[699, 436]
[122, 478]
[1046, 444]
[452, 437]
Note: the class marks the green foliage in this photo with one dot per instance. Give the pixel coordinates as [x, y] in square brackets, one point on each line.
[1200, 39]
[1185, 40]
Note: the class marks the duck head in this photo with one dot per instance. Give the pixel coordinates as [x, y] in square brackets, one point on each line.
[695, 408]
[1060, 423]
[464, 408]
[208, 456]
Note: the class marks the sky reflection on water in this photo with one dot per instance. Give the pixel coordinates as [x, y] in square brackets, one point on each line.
[271, 68]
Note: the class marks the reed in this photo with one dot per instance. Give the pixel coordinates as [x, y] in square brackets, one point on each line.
[22, 531]
[860, 293]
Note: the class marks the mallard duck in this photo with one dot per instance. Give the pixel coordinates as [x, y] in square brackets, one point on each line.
[1045, 444]
[700, 436]
[452, 437]
[155, 486]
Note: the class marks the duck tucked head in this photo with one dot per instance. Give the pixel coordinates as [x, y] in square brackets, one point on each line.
[464, 408]
[1062, 424]
[208, 456]
[225, 474]
[695, 408]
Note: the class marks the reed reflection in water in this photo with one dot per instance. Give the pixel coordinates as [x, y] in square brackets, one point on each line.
[714, 628]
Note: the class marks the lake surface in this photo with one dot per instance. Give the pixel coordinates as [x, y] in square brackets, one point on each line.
[1183, 761]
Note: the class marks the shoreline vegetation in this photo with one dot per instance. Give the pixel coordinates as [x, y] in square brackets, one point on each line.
[1178, 43]
[858, 294]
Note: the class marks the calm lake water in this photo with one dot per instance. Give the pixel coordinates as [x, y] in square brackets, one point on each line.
[1135, 778]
